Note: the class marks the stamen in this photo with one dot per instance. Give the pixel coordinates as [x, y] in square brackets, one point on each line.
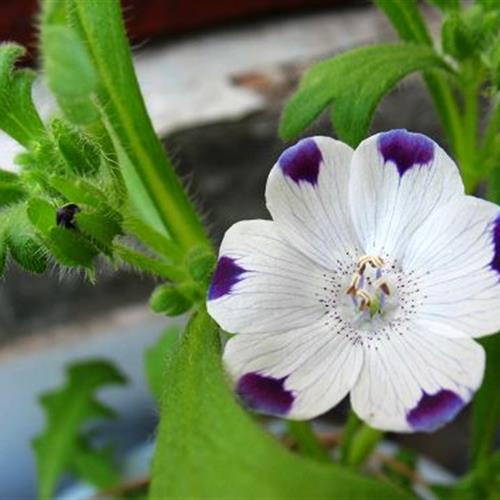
[366, 299]
[383, 285]
[353, 287]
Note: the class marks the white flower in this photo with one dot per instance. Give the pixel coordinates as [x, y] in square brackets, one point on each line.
[373, 277]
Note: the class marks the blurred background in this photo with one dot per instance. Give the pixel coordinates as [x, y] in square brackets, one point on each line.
[215, 76]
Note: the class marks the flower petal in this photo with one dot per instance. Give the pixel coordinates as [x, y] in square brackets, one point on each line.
[455, 255]
[398, 179]
[262, 283]
[307, 197]
[416, 380]
[299, 374]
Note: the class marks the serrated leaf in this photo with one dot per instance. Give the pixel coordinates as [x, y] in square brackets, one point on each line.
[26, 250]
[67, 409]
[354, 82]
[208, 447]
[155, 360]
[81, 155]
[10, 193]
[71, 248]
[42, 215]
[18, 116]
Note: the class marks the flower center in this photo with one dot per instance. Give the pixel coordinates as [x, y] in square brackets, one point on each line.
[370, 292]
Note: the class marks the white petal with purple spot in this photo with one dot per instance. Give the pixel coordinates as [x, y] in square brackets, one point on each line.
[313, 368]
[398, 179]
[306, 195]
[417, 380]
[261, 283]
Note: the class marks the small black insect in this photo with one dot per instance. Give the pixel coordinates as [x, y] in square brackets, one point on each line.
[65, 216]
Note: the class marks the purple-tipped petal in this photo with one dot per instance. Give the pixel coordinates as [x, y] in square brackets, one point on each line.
[265, 394]
[433, 411]
[226, 275]
[495, 263]
[406, 149]
[301, 162]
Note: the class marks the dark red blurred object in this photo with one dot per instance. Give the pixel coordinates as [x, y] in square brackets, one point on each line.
[149, 19]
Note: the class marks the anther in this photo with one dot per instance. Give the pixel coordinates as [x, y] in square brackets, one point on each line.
[366, 299]
[374, 261]
[353, 287]
[383, 285]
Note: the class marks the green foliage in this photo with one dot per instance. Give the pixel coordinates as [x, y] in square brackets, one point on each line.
[82, 156]
[62, 445]
[354, 82]
[18, 116]
[155, 360]
[24, 246]
[208, 447]
[100, 29]
[467, 33]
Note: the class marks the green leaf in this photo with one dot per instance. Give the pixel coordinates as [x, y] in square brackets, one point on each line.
[18, 116]
[26, 250]
[10, 193]
[208, 447]
[101, 28]
[59, 446]
[354, 82]
[70, 72]
[486, 407]
[71, 248]
[155, 360]
[42, 215]
[80, 154]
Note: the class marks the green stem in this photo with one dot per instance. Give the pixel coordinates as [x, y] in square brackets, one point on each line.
[447, 108]
[352, 425]
[362, 445]
[306, 440]
[101, 26]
